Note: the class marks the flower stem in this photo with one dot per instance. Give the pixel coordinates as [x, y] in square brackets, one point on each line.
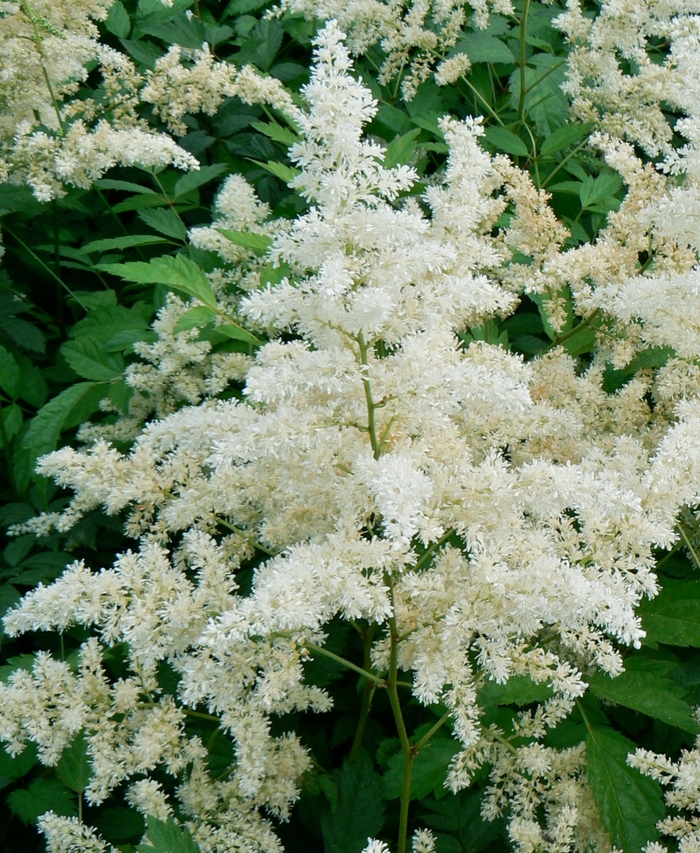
[689, 545]
[371, 405]
[312, 647]
[368, 690]
[406, 748]
[426, 737]
[523, 58]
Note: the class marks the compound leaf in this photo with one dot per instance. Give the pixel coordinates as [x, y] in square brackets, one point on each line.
[630, 804]
[360, 811]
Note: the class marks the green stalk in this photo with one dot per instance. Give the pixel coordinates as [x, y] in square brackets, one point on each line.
[259, 546]
[368, 690]
[8, 454]
[523, 58]
[312, 647]
[428, 735]
[47, 268]
[35, 20]
[563, 162]
[689, 545]
[406, 748]
[565, 337]
[483, 100]
[371, 405]
[433, 548]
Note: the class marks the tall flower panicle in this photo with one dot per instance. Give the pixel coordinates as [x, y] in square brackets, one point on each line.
[490, 517]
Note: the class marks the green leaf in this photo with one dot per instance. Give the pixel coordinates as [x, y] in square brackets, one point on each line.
[216, 34]
[45, 428]
[20, 765]
[139, 202]
[240, 7]
[673, 617]
[87, 403]
[506, 140]
[401, 148]
[178, 273]
[630, 804]
[261, 45]
[124, 340]
[127, 186]
[42, 568]
[259, 242]
[279, 170]
[564, 136]
[646, 692]
[518, 690]
[167, 837]
[359, 813]
[118, 825]
[592, 191]
[32, 387]
[429, 768]
[104, 323]
[111, 243]
[583, 339]
[187, 32]
[9, 374]
[480, 47]
[42, 795]
[166, 221]
[118, 22]
[545, 102]
[191, 180]
[277, 132]
[92, 299]
[24, 334]
[195, 318]
[274, 273]
[74, 767]
[12, 420]
[25, 662]
[459, 815]
[89, 359]
[238, 333]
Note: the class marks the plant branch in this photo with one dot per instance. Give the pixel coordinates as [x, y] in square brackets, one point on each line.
[371, 406]
[45, 266]
[249, 539]
[523, 58]
[406, 748]
[426, 737]
[689, 544]
[368, 690]
[312, 647]
[433, 548]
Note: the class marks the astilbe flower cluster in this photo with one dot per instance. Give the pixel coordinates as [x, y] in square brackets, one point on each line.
[53, 136]
[416, 36]
[491, 517]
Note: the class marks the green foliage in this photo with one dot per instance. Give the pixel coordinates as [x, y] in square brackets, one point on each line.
[429, 768]
[167, 837]
[177, 273]
[41, 796]
[630, 804]
[673, 617]
[357, 809]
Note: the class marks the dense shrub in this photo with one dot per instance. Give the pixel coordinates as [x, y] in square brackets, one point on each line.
[350, 374]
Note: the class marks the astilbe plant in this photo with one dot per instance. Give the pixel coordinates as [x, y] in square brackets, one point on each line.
[475, 516]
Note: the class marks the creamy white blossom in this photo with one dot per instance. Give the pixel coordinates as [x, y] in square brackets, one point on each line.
[491, 517]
